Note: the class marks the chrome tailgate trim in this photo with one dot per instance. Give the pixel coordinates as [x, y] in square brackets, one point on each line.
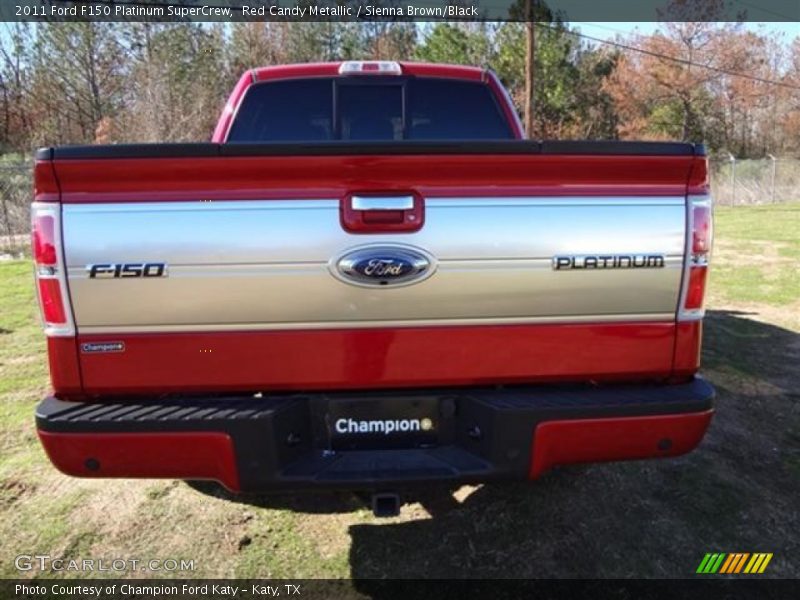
[241, 265]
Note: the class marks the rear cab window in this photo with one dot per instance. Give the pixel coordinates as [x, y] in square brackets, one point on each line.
[285, 111]
[369, 109]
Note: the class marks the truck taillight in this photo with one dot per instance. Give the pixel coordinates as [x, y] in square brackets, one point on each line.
[51, 282]
[701, 227]
[696, 287]
[51, 301]
[44, 240]
[698, 251]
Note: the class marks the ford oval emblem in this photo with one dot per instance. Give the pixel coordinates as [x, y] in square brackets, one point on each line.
[383, 266]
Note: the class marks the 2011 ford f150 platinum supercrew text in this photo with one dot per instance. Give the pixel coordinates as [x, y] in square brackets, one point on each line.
[369, 280]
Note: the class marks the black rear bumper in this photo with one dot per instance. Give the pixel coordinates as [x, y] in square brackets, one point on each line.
[333, 440]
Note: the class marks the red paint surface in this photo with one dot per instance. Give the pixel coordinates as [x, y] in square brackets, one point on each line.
[226, 118]
[331, 69]
[377, 358]
[623, 438]
[45, 184]
[182, 455]
[65, 374]
[699, 183]
[688, 343]
[504, 99]
[286, 177]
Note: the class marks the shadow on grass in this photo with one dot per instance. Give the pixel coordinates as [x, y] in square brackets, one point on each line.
[436, 499]
[736, 493]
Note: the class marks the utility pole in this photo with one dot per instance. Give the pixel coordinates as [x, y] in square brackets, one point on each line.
[530, 42]
[774, 168]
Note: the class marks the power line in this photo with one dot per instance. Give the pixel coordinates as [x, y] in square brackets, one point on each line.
[598, 26]
[620, 45]
[766, 10]
[674, 59]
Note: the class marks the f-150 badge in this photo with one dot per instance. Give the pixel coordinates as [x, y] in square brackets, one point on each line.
[375, 266]
[609, 261]
[125, 270]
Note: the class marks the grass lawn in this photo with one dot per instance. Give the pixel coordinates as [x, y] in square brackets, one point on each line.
[756, 254]
[737, 493]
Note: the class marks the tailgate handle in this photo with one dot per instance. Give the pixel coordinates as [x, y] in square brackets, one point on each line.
[395, 211]
[382, 202]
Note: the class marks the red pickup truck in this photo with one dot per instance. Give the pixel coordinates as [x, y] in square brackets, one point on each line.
[369, 279]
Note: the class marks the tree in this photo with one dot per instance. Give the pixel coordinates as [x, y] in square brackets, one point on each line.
[668, 97]
[15, 69]
[168, 81]
[556, 81]
[595, 116]
[254, 44]
[74, 93]
[387, 40]
[177, 84]
[790, 115]
[445, 43]
[704, 82]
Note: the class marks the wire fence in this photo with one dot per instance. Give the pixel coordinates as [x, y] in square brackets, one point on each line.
[733, 183]
[737, 182]
[16, 189]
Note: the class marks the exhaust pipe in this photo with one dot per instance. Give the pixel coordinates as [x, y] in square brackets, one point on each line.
[385, 504]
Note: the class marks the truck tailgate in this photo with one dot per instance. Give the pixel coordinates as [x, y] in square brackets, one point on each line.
[558, 265]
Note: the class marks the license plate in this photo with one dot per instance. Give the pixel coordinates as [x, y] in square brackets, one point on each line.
[371, 423]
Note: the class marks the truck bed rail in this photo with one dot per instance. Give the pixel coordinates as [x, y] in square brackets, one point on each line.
[339, 148]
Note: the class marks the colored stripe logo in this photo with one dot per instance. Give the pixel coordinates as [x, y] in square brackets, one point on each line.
[734, 563]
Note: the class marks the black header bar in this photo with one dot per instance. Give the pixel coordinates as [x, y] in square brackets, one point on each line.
[399, 10]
